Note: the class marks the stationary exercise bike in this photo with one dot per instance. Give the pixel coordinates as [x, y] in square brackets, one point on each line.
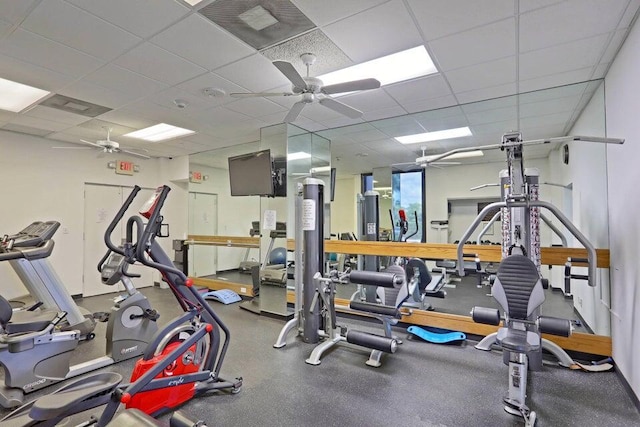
[36, 353]
[182, 361]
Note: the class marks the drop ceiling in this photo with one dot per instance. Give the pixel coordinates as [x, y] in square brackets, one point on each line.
[137, 57]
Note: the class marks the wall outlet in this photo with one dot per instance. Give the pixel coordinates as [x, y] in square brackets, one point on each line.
[243, 290]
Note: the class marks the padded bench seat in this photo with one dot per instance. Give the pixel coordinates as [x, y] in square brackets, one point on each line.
[29, 321]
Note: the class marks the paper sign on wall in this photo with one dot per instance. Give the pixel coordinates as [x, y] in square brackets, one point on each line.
[269, 220]
[371, 228]
[308, 215]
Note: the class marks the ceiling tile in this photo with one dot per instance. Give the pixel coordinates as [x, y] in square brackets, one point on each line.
[156, 63]
[32, 48]
[4, 28]
[495, 129]
[440, 18]
[600, 70]
[379, 31]
[167, 98]
[556, 119]
[481, 76]
[429, 104]
[475, 46]
[529, 5]
[555, 80]
[97, 94]
[493, 115]
[38, 123]
[399, 126]
[127, 118]
[429, 87]
[71, 26]
[140, 17]
[122, 80]
[13, 127]
[255, 73]
[14, 11]
[255, 107]
[432, 124]
[196, 86]
[55, 115]
[486, 93]
[549, 26]
[614, 45]
[491, 104]
[340, 121]
[6, 116]
[327, 11]
[193, 37]
[557, 59]
[33, 75]
[383, 113]
[369, 100]
[560, 105]
[220, 116]
[629, 14]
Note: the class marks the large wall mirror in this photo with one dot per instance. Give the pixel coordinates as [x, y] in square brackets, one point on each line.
[572, 177]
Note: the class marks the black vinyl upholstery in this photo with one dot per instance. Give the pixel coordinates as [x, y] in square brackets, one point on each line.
[5, 311]
[518, 275]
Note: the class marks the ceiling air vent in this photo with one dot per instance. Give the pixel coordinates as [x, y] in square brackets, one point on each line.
[259, 23]
[75, 106]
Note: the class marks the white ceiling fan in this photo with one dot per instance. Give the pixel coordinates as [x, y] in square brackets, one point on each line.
[312, 89]
[108, 146]
[424, 162]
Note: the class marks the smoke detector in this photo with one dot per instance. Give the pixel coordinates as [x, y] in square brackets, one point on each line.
[213, 92]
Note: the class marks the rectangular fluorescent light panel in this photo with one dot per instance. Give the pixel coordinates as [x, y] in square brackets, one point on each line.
[434, 136]
[321, 169]
[159, 132]
[464, 154]
[258, 18]
[298, 156]
[193, 2]
[397, 67]
[17, 96]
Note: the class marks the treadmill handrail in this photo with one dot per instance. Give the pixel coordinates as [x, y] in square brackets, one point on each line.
[31, 253]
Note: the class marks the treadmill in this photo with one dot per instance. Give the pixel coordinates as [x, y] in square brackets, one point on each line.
[27, 252]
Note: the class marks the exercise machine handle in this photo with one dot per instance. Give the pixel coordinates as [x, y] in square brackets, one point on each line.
[467, 234]
[116, 220]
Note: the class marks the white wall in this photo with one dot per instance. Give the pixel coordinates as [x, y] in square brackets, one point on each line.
[622, 85]
[587, 173]
[41, 183]
[343, 209]
[235, 214]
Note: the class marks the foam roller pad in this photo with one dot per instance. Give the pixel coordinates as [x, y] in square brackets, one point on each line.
[488, 316]
[554, 326]
[374, 278]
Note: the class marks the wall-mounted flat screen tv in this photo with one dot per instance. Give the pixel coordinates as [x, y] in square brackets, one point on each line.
[251, 174]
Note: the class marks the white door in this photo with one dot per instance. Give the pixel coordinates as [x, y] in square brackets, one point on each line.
[101, 203]
[203, 220]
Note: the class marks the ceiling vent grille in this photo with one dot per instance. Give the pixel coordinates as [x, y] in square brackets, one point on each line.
[259, 23]
[75, 106]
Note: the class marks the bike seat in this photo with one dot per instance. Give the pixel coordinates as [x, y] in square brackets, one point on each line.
[63, 400]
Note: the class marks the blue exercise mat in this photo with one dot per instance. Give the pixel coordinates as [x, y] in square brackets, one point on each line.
[225, 296]
[436, 335]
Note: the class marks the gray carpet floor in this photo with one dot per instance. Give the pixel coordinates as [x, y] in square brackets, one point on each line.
[421, 385]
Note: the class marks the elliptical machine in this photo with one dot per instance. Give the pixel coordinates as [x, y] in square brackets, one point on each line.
[182, 361]
[35, 353]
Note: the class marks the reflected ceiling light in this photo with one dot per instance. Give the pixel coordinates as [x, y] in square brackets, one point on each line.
[17, 96]
[159, 132]
[321, 169]
[397, 67]
[465, 154]
[382, 188]
[193, 2]
[298, 155]
[434, 136]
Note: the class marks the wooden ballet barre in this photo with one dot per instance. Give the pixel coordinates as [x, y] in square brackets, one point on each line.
[228, 241]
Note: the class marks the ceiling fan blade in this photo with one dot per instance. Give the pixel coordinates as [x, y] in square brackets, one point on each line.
[291, 73]
[73, 148]
[91, 143]
[252, 95]
[341, 108]
[133, 153]
[295, 111]
[445, 163]
[352, 86]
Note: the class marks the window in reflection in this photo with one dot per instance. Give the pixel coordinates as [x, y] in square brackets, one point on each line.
[407, 196]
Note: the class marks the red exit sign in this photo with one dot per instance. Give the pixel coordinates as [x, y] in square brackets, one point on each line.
[124, 168]
[196, 177]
